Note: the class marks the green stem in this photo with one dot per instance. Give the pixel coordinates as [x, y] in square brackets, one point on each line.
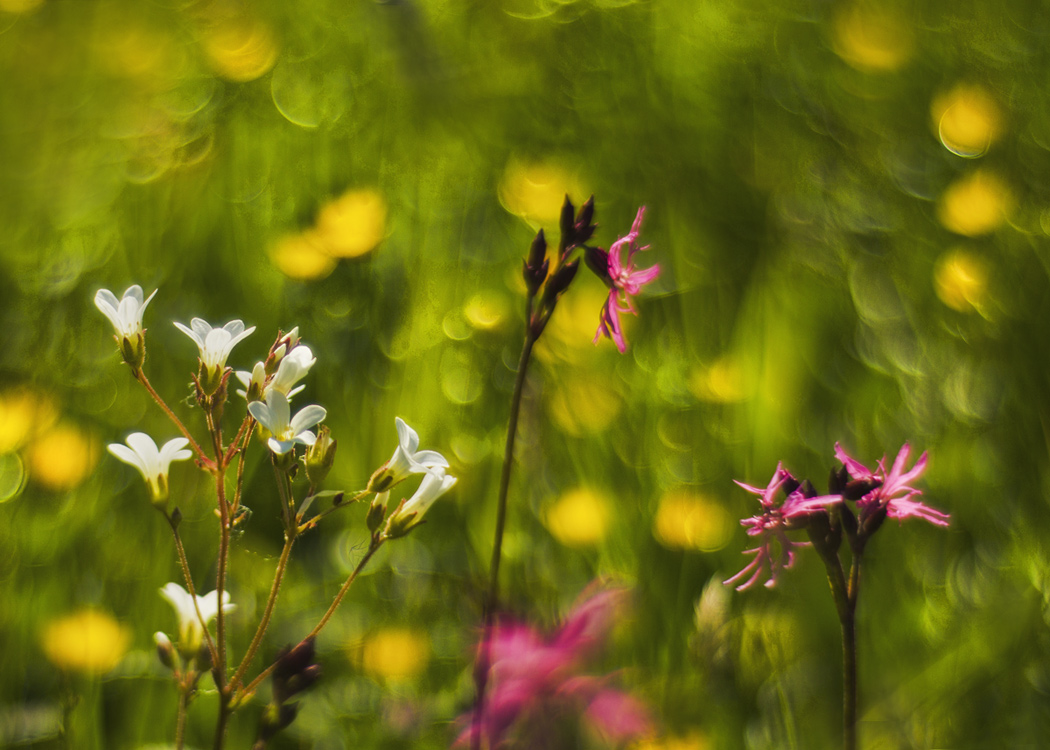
[377, 542]
[282, 564]
[312, 523]
[141, 377]
[180, 720]
[492, 600]
[184, 563]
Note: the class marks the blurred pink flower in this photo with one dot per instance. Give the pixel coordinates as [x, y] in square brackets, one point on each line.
[533, 679]
[894, 492]
[625, 282]
[771, 527]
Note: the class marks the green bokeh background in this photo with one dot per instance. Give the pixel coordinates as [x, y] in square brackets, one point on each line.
[820, 282]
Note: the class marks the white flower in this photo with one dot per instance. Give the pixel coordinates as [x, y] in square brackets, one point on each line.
[286, 432]
[215, 345]
[292, 369]
[126, 316]
[141, 452]
[407, 459]
[191, 632]
[410, 513]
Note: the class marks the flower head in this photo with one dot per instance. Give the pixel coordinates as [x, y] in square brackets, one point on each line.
[410, 513]
[893, 492]
[290, 370]
[126, 316]
[533, 676]
[286, 431]
[407, 460]
[191, 629]
[625, 281]
[142, 453]
[771, 527]
[215, 345]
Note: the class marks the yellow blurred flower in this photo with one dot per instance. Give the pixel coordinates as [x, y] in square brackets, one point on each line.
[24, 412]
[579, 518]
[961, 280]
[352, 224]
[872, 38]
[975, 204]
[239, 48]
[582, 403]
[85, 641]
[968, 120]
[536, 191]
[302, 257]
[137, 52]
[723, 381]
[691, 521]
[395, 653]
[63, 457]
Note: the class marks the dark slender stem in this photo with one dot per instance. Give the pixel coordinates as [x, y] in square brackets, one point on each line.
[849, 682]
[481, 669]
[220, 724]
[141, 377]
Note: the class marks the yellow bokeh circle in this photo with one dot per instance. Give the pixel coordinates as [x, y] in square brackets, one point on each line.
[536, 191]
[872, 38]
[395, 653]
[691, 521]
[239, 48]
[968, 120]
[63, 457]
[579, 518]
[976, 204]
[302, 257]
[86, 641]
[352, 224]
[24, 413]
[961, 280]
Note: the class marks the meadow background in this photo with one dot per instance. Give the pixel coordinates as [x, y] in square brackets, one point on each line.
[849, 202]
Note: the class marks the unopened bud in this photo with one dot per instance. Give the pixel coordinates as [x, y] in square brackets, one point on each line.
[535, 269]
[560, 281]
[165, 650]
[598, 261]
[133, 349]
[377, 511]
[320, 456]
[566, 220]
[584, 227]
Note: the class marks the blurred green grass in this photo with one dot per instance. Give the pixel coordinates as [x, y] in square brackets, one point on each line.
[849, 206]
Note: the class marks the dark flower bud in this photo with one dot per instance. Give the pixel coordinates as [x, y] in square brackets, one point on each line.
[303, 680]
[535, 270]
[292, 661]
[874, 521]
[849, 522]
[598, 261]
[584, 228]
[791, 484]
[566, 223]
[561, 279]
[858, 488]
[538, 250]
[837, 480]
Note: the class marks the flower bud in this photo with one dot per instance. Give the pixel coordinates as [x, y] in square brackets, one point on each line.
[165, 650]
[535, 270]
[133, 349]
[560, 281]
[584, 229]
[320, 456]
[377, 511]
[566, 221]
[598, 261]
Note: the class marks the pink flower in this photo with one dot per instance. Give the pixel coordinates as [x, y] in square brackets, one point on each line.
[533, 678]
[625, 281]
[771, 527]
[894, 492]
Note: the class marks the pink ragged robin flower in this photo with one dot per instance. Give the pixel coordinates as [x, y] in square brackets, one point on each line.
[771, 527]
[893, 492]
[625, 281]
[535, 681]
